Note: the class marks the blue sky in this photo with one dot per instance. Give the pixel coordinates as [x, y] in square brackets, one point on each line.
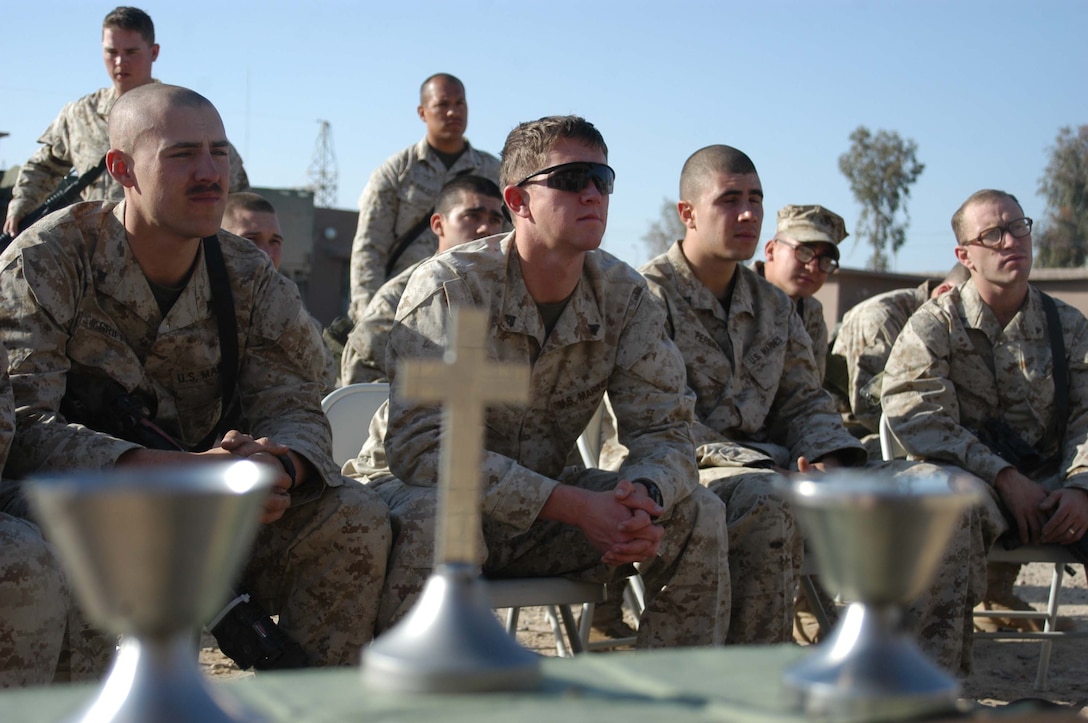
[981, 86]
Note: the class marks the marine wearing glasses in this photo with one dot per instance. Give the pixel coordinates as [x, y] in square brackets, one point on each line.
[805, 233]
[574, 177]
[992, 237]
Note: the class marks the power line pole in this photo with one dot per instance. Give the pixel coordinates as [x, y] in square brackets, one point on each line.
[322, 172]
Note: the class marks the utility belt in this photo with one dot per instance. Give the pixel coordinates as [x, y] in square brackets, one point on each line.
[103, 405]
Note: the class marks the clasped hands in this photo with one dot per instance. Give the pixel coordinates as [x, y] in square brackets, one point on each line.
[1058, 517]
[265, 452]
[620, 523]
[235, 445]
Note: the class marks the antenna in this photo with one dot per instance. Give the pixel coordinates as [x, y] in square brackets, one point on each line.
[322, 171]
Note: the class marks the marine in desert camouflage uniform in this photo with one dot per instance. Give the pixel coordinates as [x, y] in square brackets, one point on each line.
[121, 292]
[759, 405]
[469, 207]
[586, 324]
[402, 191]
[979, 352]
[812, 232]
[867, 334]
[253, 217]
[79, 136]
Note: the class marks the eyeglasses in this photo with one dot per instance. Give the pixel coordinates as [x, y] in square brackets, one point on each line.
[992, 237]
[574, 177]
[805, 255]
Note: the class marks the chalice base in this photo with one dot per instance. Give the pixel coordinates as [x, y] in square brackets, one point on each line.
[868, 671]
[160, 680]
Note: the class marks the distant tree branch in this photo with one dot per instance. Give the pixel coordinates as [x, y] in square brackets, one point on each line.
[665, 231]
[1062, 236]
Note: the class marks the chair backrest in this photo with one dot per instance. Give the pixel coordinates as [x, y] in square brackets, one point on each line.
[890, 448]
[589, 441]
[350, 410]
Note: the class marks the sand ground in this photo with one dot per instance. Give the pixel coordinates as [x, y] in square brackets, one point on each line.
[1004, 671]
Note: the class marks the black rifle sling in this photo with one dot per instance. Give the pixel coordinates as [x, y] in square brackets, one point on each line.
[401, 244]
[223, 306]
[1061, 370]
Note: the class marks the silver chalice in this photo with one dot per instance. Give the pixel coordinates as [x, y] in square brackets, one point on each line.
[877, 541]
[151, 553]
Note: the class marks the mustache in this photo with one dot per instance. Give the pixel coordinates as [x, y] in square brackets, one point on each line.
[204, 188]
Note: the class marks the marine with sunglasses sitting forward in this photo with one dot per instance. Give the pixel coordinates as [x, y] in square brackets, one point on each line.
[800, 257]
[586, 324]
[759, 405]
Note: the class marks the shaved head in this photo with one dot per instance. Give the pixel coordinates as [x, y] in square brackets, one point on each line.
[137, 111]
[170, 153]
[706, 163]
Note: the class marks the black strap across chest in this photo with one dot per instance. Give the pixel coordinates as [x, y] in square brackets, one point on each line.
[223, 307]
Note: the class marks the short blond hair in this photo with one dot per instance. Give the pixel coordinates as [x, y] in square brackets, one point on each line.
[986, 194]
[526, 148]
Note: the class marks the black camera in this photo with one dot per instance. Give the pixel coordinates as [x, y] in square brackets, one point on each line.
[249, 637]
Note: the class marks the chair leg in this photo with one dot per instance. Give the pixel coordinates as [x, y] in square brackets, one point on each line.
[1050, 624]
[634, 594]
[561, 648]
[512, 621]
[808, 587]
[586, 623]
[573, 631]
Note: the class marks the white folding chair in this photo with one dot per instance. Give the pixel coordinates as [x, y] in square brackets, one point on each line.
[1061, 559]
[890, 448]
[590, 443]
[1053, 554]
[349, 410]
[556, 595]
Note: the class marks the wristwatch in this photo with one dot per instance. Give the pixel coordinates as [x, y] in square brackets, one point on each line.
[289, 468]
[652, 491]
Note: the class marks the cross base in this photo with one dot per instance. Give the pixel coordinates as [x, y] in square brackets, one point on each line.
[450, 642]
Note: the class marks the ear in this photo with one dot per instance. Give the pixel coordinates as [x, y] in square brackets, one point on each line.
[154, 52]
[119, 165]
[964, 258]
[768, 249]
[436, 224]
[419, 111]
[517, 200]
[941, 289]
[686, 212]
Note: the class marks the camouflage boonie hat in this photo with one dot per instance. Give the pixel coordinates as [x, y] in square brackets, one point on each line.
[812, 224]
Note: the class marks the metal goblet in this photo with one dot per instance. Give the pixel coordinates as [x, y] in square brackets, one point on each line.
[151, 553]
[877, 541]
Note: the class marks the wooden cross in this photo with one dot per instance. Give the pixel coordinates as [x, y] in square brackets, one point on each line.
[466, 382]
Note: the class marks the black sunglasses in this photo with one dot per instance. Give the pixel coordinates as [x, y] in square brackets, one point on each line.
[574, 177]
